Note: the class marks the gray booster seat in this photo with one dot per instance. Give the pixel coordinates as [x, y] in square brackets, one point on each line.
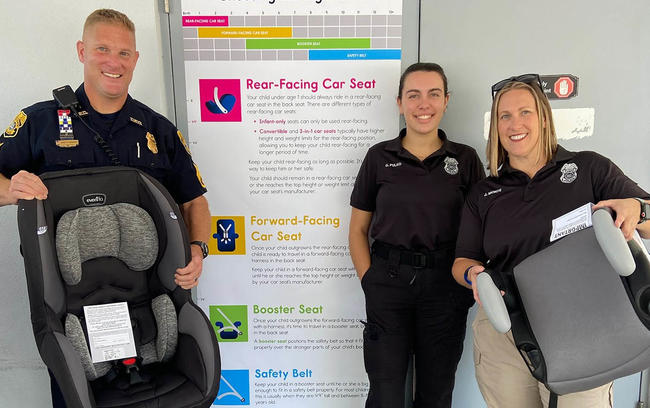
[104, 236]
[580, 313]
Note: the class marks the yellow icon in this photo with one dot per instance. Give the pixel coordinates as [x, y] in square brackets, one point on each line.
[228, 235]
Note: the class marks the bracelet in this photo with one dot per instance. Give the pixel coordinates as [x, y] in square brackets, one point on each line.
[469, 282]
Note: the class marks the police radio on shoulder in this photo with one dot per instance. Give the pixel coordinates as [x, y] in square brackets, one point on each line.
[66, 98]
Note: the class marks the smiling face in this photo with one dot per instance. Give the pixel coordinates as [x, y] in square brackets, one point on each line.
[109, 57]
[423, 102]
[518, 126]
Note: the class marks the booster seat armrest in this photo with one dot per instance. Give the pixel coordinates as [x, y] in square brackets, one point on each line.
[493, 303]
[612, 242]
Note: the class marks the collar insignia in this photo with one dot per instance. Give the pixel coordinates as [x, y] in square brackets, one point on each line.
[151, 143]
[137, 122]
[66, 137]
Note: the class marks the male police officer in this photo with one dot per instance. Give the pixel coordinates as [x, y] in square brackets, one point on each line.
[47, 137]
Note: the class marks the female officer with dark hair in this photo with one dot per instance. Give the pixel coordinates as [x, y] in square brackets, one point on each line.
[508, 217]
[412, 188]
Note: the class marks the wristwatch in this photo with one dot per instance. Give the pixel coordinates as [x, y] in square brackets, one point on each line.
[645, 210]
[203, 246]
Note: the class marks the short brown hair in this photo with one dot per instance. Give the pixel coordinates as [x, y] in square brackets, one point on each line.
[109, 16]
[496, 154]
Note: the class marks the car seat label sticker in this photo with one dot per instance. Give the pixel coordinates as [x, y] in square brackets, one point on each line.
[110, 335]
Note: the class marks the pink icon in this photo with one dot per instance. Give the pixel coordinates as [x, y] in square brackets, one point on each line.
[220, 100]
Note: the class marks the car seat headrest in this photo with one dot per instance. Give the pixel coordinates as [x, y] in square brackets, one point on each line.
[124, 231]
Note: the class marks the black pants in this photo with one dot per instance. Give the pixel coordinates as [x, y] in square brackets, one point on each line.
[419, 311]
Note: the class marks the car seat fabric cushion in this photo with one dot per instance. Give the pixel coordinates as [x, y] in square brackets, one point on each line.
[110, 242]
[120, 230]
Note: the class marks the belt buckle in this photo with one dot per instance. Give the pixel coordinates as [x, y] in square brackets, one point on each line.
[419, 260]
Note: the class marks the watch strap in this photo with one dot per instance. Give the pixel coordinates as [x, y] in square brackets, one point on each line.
[203, 246]
[645, 210]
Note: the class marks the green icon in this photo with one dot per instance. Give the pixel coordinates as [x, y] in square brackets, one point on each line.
[230, 322]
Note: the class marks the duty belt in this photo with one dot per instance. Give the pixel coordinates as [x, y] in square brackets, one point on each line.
[416, 259]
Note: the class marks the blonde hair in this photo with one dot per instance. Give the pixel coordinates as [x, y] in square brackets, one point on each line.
[109, 16]
[496, 154]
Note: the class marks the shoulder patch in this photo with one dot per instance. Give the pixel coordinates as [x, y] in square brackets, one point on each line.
[198, 175]
[18, 122]
[182, 139]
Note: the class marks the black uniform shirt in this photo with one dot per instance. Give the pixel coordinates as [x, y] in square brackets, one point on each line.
[508, 218]
[139, 136]
[416, 204]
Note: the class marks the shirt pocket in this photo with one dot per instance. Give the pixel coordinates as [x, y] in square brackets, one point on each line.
[142, 157]
[68, 157]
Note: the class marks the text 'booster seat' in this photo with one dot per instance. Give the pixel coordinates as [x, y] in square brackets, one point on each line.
[581, 316]
[107, 235]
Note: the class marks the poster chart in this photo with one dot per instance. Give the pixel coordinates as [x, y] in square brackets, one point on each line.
[284, 98]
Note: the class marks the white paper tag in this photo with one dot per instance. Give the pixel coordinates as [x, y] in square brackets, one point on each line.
[571, 222]
[109, 332]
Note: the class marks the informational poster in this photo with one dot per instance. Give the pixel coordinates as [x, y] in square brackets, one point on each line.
[284, 98]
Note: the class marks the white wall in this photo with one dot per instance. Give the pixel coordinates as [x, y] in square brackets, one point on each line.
[37, 44]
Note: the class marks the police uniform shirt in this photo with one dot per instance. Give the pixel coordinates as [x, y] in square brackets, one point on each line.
[416, 204]
[140, 138]
[508, 218]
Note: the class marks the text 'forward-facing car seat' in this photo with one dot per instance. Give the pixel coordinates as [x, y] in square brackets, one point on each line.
[109, 235]
[581, 316]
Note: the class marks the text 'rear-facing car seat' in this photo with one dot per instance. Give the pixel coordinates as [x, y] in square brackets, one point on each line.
[107, 235]
[581, 316]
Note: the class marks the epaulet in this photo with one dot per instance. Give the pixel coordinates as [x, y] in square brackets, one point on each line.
[39, 106]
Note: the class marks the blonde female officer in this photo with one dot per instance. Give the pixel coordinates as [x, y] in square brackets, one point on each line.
[507, 217]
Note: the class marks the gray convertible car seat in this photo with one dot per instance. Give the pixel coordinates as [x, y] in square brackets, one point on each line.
[580, 316]
[107, 235]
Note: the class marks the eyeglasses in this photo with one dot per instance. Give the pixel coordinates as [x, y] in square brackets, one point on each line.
[526, 78]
